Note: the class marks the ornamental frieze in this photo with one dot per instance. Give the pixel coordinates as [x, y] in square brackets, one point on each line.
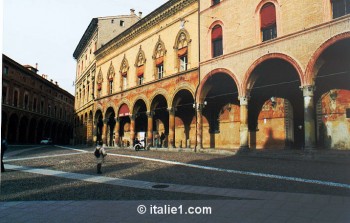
[158, 17]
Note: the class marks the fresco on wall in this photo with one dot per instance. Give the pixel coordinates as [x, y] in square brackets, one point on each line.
[333, 125]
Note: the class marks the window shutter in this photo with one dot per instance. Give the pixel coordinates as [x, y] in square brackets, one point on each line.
[268, 15]
[140, 71]
[216, 32]
[159, 61]
[181, 52]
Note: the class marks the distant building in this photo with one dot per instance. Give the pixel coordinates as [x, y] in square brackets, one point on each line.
[99, 32]
[33, 107]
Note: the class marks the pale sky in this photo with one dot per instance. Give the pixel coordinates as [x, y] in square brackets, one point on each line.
[47, 31]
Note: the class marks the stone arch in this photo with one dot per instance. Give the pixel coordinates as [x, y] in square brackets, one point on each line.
[181, 86]
[313, 66]
[110, 105]
[177, 39]
[140, 58]
[159, 49]
[142, 97]
[159, 91]
[201, 91]
[98, 107]
[249, 78]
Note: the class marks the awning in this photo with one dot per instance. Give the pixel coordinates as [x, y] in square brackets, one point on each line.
[124, 111]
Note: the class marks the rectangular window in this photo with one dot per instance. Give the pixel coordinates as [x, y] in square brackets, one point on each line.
[26, 101]
[125, 83]
[15, 99]
[34, 105]
[42, 107]
[269, 33]
[6, 70]
[110, 87]
[340, 8]
[348, 113]
[215, 2]
[183, 63]
[160, 71]
[217, 47]
[4, 95]
[140, 80]
[122, 23]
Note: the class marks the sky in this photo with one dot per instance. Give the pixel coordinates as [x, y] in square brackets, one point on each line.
[48, 31]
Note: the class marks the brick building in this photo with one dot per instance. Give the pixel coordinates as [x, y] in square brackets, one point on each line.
[33, 107]
[277, 71]
[232, 74]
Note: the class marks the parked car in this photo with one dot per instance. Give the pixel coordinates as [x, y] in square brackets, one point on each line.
[46, 141]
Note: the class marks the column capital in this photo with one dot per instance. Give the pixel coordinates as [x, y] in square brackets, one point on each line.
[117, 119]
[199, 109]
[308, 90]
[132, 117]
[243, 100]
[105, 121]
[171, 110]
[150, 114]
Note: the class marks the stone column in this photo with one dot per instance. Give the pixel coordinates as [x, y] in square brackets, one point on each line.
[171, 138]
[94, 132]
[104, 131]
[243, 130]
[309, 116]
[116, 132]
[199, 109]
[150, 128]
[132, 129]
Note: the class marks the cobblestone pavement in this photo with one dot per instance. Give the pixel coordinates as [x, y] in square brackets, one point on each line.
[60, 184]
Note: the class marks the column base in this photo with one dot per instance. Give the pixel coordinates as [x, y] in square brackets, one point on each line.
[244, 148]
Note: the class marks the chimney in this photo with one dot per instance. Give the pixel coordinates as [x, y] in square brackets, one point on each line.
[56, 83]
[132, 11]
[140, 15]
[36, 66]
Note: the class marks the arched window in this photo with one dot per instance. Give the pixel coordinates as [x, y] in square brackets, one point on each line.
[99, 83]
[181, 47]
[268, 22]
[124, 68]
[158, 56]
[216, 40]
[110, 76]
[140, 66]
[340, 8]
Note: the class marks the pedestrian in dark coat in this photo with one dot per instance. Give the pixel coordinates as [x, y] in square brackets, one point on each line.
[100, 154]
[3, 149]
[162, 137]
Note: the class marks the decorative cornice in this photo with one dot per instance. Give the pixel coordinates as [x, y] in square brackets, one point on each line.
[165, 11]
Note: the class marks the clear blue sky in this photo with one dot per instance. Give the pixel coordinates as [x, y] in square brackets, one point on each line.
[47, 31]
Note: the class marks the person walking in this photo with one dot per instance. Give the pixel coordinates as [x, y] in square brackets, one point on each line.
[100, 154]
[157, 140]
[162, 137]
[3, 149]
